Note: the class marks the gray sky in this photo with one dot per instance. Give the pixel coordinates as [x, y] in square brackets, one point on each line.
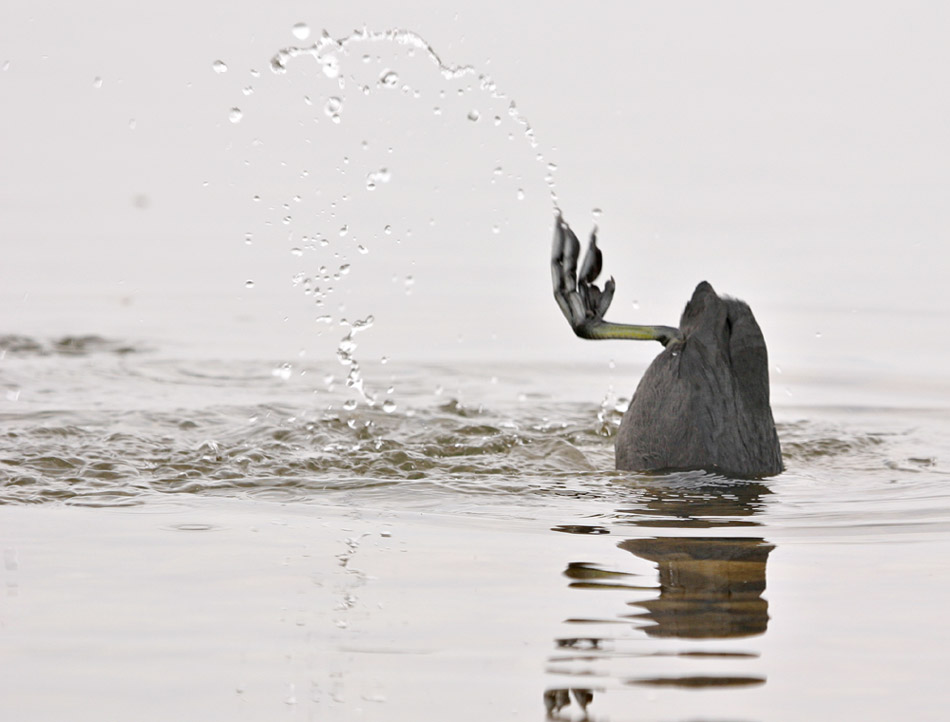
[793, 154]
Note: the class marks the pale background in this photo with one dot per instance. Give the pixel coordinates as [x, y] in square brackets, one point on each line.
[793, 154]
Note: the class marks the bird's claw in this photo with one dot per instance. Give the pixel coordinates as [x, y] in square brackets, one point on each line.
[582, 302]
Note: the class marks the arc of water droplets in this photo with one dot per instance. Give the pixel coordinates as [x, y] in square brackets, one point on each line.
[322, 51]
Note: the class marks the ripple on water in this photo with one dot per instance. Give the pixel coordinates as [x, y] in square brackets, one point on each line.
[164, 432]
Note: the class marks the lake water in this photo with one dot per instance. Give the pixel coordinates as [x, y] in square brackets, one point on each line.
[292, 429]
[203, 539]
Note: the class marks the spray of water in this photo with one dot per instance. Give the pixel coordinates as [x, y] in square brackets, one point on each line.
[331, 55]
[327, 51]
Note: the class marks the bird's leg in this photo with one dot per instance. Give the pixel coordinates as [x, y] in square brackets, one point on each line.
[582, 302]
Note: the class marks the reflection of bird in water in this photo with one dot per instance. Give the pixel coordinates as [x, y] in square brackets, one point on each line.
[704, 401]
[710, 587]
[557, 699]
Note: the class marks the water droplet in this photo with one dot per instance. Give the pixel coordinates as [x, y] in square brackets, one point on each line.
[495, 229]
[379, 176]
[389, 406]
[219, 66]
[474, 115]
[331, 66]
[437, 110]
[247, 90]
[497, 120]
[287, 220]
[817, 334]
[636, 305]
[301, 31]
[389, 79]
[388, 230]
[498, 170]
[552, 167]
[249, 284]
[349, 404]
[235, 115]
[332, 109]
[362, 249]
[611, 364]
[520, 194]
[409, 282]
[596, 212]
[344, 230]
[296, 252]
[278, 64]
[344, 269]
[97, 82]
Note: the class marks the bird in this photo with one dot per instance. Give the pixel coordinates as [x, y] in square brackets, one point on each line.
[703, 403]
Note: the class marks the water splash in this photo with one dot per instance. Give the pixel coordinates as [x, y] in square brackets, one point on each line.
[345, 355]
[327, 50]
[332, 57]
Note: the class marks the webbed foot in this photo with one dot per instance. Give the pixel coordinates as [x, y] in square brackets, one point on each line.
[581, 301]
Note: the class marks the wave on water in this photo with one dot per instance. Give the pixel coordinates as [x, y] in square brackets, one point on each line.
[268, 450]
[62, 346]
[109, 428]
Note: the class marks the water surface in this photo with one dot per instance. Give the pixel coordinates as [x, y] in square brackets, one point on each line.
[240, 538]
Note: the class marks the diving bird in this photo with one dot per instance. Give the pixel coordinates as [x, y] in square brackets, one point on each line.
[704, 401]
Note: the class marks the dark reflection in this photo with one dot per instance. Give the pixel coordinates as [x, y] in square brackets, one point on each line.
[703, 502]
[590, 576]
[698, 680]
[710, 587]
[580, 529]
[706, 588]
[556, 699]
